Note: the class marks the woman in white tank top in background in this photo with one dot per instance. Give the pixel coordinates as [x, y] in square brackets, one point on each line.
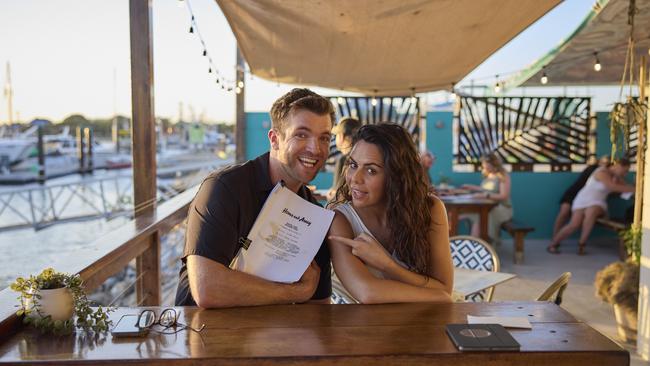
[389, 240]
[591, 203]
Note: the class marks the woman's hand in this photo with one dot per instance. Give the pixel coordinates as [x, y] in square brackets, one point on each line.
[369, 250]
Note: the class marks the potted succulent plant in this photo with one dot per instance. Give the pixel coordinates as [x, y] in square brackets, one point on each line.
[618, 284]
[49, 300]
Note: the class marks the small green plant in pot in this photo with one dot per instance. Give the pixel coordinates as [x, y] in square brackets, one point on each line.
[49, 300]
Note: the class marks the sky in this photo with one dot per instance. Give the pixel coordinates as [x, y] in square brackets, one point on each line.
[72, 56]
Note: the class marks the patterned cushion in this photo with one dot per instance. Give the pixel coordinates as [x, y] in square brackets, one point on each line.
[470, 254]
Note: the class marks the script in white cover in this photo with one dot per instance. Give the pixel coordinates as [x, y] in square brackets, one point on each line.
[284, 238]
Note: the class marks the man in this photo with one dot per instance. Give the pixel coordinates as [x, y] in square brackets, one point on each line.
[344, 132]
[229, 201]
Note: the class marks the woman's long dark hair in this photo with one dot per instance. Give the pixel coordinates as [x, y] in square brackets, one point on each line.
[407, 192]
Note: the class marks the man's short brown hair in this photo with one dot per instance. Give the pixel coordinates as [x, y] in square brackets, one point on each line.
[299, 99]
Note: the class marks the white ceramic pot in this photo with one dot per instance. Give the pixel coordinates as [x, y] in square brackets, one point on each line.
[626, 322]
[57, 303]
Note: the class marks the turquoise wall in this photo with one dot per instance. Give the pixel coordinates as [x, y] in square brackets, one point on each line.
[535, 196]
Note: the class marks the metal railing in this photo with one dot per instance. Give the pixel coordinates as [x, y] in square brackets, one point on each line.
[87, 199]
[137, 239]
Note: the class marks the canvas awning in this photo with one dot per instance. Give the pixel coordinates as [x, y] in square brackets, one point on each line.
[383, 47]
[605, 30]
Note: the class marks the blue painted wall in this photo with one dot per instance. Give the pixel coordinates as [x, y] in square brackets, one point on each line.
[535, 196]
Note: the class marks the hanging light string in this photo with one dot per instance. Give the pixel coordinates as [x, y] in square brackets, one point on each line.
[226, 84]
[597, 65]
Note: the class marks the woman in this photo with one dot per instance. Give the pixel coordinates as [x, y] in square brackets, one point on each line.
[591, 203]
[570, 194]
[495, 186]
[389, 240]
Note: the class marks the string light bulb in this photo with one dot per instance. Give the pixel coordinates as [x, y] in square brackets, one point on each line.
[340, 100]
[205, 53]
[544, 79]
[497, 86]
[373, 101]
[597, 65]
[240, 84]
[237, 90]
[191, 29]
[452, 92]
[210, 70]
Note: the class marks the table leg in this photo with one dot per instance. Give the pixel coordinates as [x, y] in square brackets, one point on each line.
[453, 221]
[484, 223]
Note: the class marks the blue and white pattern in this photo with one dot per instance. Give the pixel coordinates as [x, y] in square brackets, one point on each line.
[471, 254]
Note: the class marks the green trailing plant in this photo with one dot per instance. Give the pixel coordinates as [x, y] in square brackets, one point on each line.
[632, 240]
[623, 117]
[87, 318]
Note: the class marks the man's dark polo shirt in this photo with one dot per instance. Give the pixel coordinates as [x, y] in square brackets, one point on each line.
[224, 210]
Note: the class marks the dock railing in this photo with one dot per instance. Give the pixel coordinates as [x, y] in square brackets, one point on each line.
[110, 253]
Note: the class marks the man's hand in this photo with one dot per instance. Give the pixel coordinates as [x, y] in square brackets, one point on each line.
[308, 282]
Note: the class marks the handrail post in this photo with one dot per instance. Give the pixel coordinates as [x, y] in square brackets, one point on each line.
[144, 145]
[148, 285]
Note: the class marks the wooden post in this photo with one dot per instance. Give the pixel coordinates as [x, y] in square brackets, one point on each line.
[81, 151]
[240, 124]
[41, 156]
[143, 136]
[640, 150]
[88, 134]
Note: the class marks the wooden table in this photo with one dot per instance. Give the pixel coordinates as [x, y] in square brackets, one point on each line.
[457, 205]
[389, 334]
[469, 281]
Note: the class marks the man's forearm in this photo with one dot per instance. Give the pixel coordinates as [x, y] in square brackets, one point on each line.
[213, 285]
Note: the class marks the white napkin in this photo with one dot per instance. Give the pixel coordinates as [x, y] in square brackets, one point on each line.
[626, 195]
[505, 321]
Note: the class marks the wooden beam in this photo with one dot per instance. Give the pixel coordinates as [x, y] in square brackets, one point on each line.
[640, 150]
[143, 135]
[143, 123]
[240, 123]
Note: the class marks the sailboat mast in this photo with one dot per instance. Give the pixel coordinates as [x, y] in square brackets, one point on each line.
[9, 93]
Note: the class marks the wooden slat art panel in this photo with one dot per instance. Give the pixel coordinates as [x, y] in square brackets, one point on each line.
[372, 110]
[528, 133]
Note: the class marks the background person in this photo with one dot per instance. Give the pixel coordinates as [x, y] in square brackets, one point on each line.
[229, 201]
[495, 186]
[427, 159]
[343, 131]
[389, 239]
[570, 194]
[591, 203]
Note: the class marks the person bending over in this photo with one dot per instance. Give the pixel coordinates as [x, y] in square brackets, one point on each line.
[591, 203]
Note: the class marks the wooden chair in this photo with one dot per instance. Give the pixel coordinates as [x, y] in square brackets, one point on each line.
[557, 288]
[474, 253]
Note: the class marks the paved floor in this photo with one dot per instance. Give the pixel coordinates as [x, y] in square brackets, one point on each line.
[541, 268]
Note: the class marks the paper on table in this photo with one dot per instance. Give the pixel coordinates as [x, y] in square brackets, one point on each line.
[505, 321]
[626, 195]
[284, 238]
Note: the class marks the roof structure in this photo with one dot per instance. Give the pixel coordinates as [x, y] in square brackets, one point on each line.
[376, 47]
[603, 35]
